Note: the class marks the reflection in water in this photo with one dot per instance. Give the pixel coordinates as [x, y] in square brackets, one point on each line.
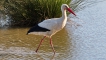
[15, 44]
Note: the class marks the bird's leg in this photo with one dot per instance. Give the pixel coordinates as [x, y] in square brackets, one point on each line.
[52, 45]
[40, 43]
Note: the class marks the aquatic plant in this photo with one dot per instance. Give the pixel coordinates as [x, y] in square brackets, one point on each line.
[30, 12]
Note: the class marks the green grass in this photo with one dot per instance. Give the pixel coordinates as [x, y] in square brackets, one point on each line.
[31, 12]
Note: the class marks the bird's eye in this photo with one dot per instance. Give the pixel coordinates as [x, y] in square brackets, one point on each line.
[65, 6]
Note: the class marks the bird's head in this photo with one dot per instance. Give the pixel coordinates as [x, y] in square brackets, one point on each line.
[66, 7]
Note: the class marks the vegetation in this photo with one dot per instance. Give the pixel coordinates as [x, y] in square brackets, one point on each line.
[31, 12]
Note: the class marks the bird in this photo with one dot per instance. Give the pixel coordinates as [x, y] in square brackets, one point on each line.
[49, 27]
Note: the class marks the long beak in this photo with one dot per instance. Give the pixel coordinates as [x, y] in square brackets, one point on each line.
[70, 10]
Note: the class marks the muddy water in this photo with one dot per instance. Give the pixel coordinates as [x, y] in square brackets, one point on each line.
[16, 45]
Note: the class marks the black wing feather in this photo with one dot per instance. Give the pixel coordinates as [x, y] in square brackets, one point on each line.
[37, 28]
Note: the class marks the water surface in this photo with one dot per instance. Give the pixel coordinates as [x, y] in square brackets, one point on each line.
[15, 44]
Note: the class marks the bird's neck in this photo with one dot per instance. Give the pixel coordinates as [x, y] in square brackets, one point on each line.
[63, 18]
[64, 15]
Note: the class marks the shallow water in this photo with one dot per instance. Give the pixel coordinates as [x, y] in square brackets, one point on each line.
[86, 42]
[15, 44]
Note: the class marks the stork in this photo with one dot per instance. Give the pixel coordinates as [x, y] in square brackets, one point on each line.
[49, 27]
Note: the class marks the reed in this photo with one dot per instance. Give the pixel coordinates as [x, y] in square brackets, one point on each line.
[31, 12]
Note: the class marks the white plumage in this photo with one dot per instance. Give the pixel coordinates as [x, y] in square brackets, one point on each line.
[54, 24]
[50, 26]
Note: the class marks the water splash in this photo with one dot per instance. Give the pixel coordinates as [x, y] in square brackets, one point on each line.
[5, 20]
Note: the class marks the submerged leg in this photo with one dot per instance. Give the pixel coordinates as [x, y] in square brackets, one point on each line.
[52, 45]
[40, 43]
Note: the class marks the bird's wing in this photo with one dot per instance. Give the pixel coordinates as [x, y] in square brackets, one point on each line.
[49, 23]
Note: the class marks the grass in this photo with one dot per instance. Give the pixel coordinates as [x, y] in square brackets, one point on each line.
[31, 12]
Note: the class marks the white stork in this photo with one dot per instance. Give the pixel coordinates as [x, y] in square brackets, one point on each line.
[49, 27]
